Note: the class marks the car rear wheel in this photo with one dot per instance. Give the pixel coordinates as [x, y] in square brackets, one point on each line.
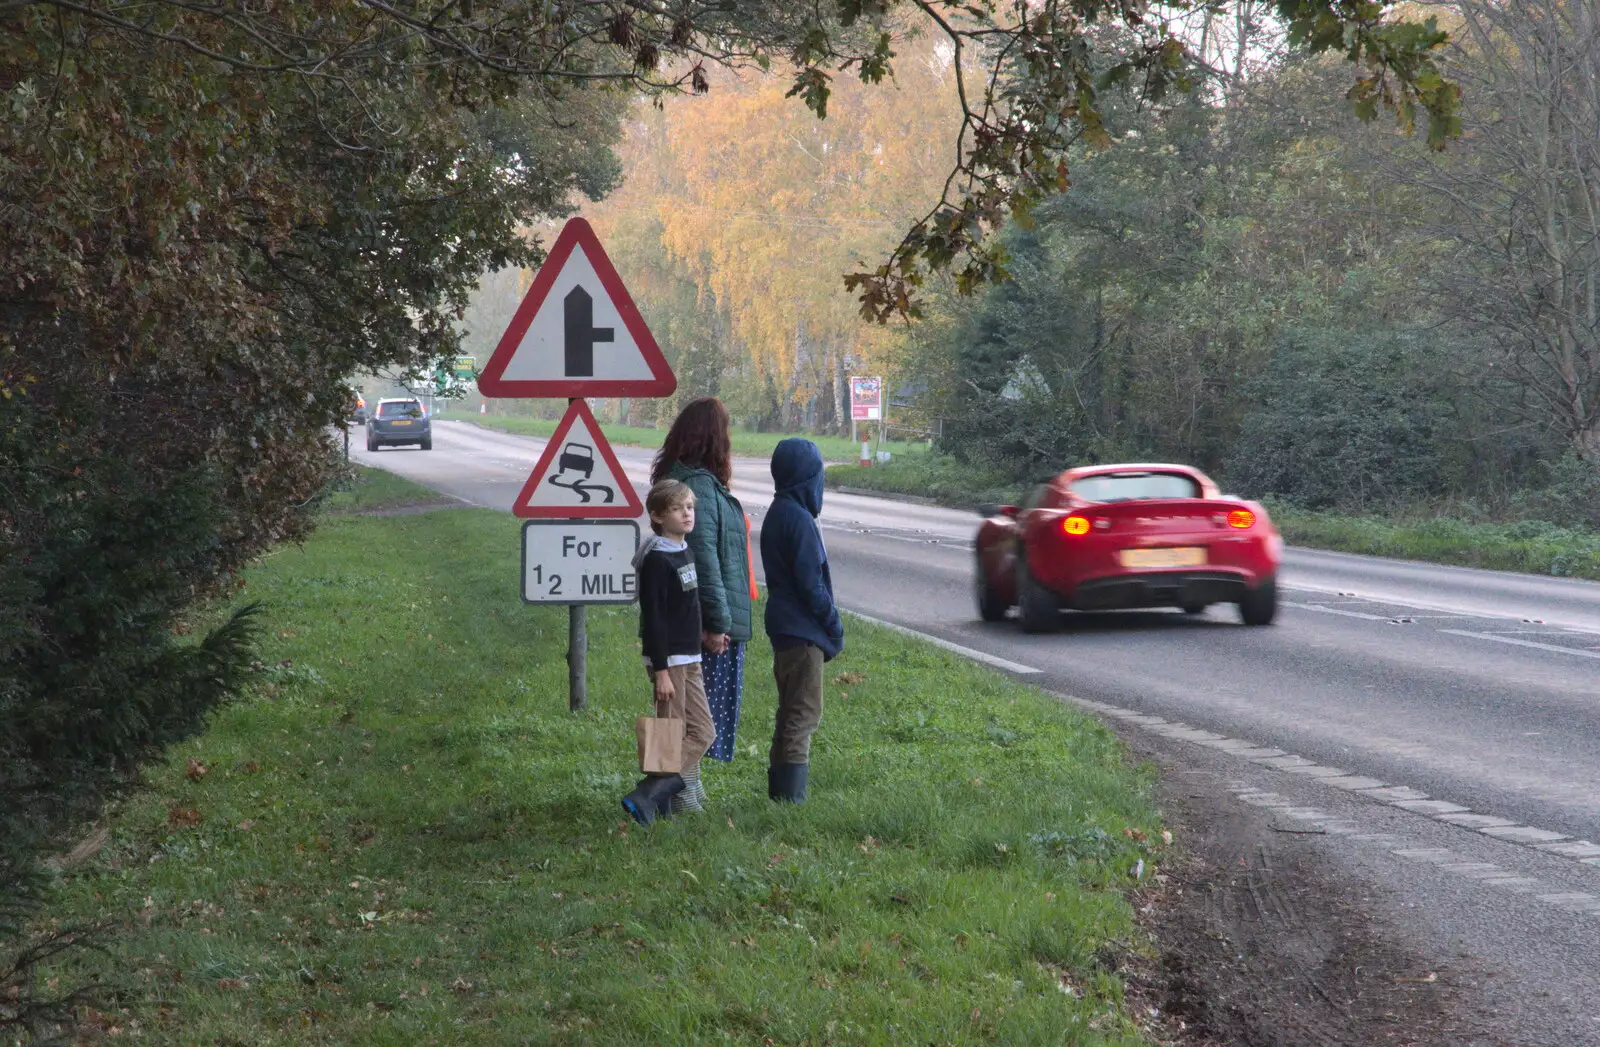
[990, 607]
[427, 443]
[1260, 605]
[1038, 607]
[372, 442]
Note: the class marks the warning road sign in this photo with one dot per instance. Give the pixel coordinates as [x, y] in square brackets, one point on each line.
[577, 332]
[578, 476]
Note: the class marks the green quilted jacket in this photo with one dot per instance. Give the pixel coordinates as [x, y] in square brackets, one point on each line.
[721, 555]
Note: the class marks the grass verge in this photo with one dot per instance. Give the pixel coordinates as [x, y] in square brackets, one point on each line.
[934, 476]
[745, 444]
[1529, 546]
[404, 837]
[368, 491]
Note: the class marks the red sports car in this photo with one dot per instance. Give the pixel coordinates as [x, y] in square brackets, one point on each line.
[1108, 537]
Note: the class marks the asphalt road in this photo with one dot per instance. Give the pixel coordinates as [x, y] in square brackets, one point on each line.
[1441, 726]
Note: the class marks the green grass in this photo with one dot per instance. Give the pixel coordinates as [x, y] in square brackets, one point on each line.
[1530, 546]
[372, 490]
[934, 476]
[745, 444]
[404, 837]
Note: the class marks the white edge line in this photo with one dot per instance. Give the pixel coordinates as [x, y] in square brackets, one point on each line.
[966, 652]
[1522, 643]
[1175, 730]
[1015, 667]
[1320, 609]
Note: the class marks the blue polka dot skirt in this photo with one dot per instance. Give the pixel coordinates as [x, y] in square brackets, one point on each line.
[724, 676]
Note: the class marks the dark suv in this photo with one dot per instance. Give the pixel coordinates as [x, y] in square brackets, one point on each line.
[394, 422]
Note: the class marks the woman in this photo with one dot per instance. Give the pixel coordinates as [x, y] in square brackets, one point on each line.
[698, 451]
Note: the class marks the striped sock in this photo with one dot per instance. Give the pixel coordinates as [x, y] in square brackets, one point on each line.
[690, 799]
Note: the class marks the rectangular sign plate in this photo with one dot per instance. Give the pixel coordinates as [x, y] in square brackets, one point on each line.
[579, 561]
[1185, 556]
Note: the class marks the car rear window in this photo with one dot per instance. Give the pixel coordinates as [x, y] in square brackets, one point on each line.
[400, 409]
[1135, 487]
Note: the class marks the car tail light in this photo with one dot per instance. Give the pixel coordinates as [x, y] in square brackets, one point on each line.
[1075, 525]
[1241, 518]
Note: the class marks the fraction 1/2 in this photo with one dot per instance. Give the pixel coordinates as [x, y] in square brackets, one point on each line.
[555, 580]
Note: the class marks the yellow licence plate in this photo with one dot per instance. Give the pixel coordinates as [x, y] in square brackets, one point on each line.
[1184, 556]
[399, 423]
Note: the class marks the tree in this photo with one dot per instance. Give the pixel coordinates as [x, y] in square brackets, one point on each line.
[1519, 206]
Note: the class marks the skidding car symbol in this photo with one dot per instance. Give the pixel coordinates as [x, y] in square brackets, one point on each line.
[579, 458]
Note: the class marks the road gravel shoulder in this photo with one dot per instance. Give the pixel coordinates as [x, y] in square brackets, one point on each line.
[1259, 942]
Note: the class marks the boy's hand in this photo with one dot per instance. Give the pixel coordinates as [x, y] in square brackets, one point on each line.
[664, 689]
[716, 643]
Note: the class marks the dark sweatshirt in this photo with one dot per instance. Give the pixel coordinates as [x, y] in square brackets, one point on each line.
[800, 606]
[669, 603]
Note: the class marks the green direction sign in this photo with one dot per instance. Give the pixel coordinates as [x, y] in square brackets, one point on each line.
[466, 366]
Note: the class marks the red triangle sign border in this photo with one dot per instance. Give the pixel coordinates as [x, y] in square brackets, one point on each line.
[492, 381]
[630, 508]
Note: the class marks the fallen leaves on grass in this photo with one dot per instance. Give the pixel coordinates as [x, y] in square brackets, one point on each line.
[849, 679]
[197, 770]
[184, 817]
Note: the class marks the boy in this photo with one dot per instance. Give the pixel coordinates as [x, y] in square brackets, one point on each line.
[669, 630]
[801, 619]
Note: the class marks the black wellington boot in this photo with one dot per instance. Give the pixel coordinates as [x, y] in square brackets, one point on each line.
[787, 782]
[652, 796]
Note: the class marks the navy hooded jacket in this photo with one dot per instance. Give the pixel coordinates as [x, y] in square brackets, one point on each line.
[800, 606]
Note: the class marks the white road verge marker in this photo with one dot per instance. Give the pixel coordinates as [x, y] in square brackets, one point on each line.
[1523, 643]
[993, 661]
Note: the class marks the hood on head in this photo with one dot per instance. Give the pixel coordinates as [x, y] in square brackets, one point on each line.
[797, 472]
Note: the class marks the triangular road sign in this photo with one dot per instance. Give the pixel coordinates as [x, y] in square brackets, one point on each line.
[578, 476]
[577, 332]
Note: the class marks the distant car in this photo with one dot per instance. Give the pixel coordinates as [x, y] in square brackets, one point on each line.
[1109, 537]
[399, 421]
[358, 409]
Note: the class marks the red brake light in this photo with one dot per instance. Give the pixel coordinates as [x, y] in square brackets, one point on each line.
[1075, 525]
[1241, 518]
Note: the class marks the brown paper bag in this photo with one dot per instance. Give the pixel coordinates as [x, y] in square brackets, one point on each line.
[660, 745]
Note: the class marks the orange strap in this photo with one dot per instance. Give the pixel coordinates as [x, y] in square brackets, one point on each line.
[750, 561]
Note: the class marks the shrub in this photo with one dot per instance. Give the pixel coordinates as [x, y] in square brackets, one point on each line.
[1341, 419]
[101, 561]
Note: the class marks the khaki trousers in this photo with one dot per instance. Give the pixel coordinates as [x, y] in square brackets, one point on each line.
[798, 673]
[688, 703]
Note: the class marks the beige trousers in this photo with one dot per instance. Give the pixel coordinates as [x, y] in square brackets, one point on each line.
[688, 703]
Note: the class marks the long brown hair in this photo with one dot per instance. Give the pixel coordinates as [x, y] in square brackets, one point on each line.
[698, 437]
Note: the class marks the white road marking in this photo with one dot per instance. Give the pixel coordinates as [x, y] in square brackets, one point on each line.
[966, 652]
[1441, 858]
[1523, 643]
[1320, 609]
[1399, 796]
[1573, 849]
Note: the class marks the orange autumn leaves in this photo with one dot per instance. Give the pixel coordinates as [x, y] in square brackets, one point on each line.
[765, 207]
